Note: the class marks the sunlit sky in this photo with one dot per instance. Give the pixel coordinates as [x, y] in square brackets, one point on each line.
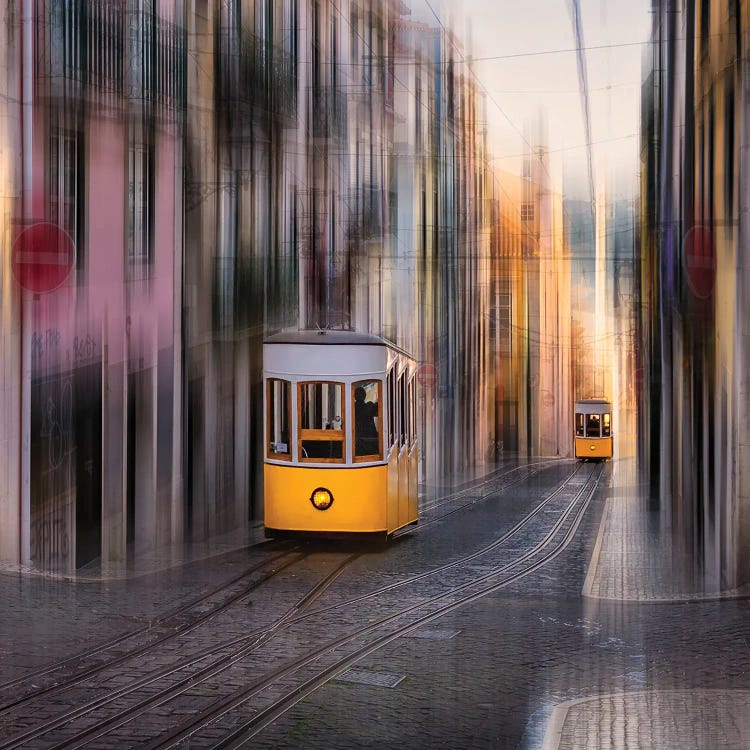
[522, 88]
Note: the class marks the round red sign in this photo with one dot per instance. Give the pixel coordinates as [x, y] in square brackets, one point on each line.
[42, 257]
[700, 260]
[426, 375]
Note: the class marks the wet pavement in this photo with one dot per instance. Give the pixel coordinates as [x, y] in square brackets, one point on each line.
[529, 609]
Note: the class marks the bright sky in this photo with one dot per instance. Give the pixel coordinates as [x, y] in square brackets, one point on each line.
[526, 86]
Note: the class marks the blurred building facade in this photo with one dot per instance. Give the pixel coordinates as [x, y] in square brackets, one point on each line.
[694, 287]
[224, 170]
[94, 114]
[532, 289]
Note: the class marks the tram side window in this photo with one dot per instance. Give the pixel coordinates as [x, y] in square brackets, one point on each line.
[367, 420]
[412, 412]
[403, 411]
[391, 408]
[606, 425]
[593, 422]
[279, 398]
[579, 425]
[321, 422]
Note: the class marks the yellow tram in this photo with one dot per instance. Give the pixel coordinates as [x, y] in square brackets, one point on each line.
[341, 446]
[593, 429]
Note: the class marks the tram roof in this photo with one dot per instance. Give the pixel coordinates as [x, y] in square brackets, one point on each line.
[332, 338]
[593, 401]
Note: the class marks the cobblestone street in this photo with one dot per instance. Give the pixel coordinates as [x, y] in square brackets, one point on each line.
[520, 613]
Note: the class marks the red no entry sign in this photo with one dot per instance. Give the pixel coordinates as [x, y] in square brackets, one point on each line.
[42, 257]
[700, 260]
[426, 375]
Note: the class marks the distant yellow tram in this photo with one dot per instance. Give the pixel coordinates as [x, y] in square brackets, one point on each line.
[593, 429]
[341, 449]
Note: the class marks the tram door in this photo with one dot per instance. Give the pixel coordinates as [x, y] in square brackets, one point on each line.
[393, 505]
[413, 452]
[403, 453]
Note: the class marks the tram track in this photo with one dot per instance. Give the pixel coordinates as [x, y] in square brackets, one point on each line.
[535, 469]
[539, 508]
[181, 686]
[128, 715]
[165, 628]
[497, 474]
[168, 619]
[248, 728]
[248, 644]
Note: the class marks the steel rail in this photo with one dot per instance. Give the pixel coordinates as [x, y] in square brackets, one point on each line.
[207, 672]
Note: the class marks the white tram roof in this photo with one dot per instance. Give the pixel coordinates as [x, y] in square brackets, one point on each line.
[593, 406]
[350, 354]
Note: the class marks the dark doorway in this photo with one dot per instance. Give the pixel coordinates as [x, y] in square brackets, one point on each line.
[510, 426]
[87, 426]
[194, 525]
[130, 468]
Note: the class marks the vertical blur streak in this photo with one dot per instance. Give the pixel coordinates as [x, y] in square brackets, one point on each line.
[575, 16]
[694, 285]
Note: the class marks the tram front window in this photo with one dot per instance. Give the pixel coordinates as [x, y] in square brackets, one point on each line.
[321, 421]
[579, 425]
[606, 425]
[366, 397]
[593, 425]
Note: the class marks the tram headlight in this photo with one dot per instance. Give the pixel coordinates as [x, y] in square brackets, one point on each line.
[322, 499]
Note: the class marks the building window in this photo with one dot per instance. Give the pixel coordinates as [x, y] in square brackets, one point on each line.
[66, 188]
[292, 36]
[527, 212]
[729, 147]
[140, 204]
[705, 24]
[334, 51]
[354, 36]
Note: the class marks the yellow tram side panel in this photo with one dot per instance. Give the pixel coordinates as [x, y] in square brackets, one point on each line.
[413, 483]
[392, 489]
[593, 447]
[360, 497]
[403, 487]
